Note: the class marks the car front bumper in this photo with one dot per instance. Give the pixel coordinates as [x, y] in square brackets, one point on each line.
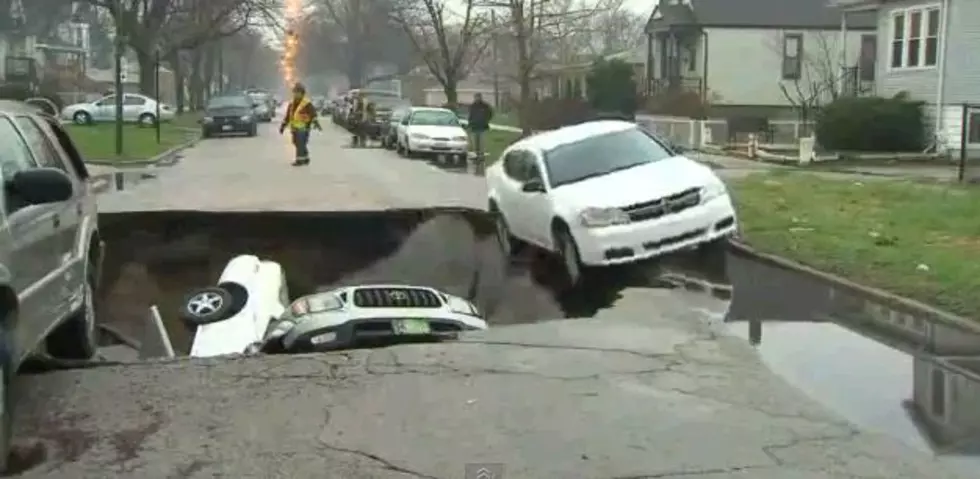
[438, 147]
[359, 332]
[222, 127]
[636, 241]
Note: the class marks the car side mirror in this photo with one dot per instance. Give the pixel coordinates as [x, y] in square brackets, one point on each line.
[38, 186]
[533, 186]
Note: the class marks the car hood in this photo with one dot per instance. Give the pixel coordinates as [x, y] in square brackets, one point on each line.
[635, 185]
[439, 131]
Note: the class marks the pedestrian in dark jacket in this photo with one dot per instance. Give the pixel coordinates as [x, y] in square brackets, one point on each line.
[299, 118]
[479, 122]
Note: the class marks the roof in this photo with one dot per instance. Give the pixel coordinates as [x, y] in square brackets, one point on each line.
[549, 140]
[803, 14]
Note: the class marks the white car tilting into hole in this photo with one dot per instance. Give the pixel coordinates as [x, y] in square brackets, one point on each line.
[432, 131]
[604, 193]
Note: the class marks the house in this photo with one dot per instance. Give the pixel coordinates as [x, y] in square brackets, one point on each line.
[918, 39]
[757, 57]
[566, 81]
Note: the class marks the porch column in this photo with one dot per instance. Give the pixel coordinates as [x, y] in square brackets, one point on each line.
[842, 51]
[649, 64]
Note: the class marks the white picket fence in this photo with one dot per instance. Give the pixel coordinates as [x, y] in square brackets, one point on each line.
[695, 134]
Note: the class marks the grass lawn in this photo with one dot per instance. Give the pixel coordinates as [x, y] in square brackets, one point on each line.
[98, 142]
[917, 240]
[495, 141]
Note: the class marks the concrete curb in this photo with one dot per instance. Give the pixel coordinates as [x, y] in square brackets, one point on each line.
[167, 158]
[878, 295]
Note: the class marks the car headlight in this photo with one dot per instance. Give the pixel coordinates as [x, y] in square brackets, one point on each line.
[246, 117]
[459, 138]
[713, 190]
[598, 217]
[460, 306]
[318, 303]
[419, 136]
[208, 119]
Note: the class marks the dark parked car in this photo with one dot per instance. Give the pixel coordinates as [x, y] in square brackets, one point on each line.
[50, 249]
[389, 128]
[384, 107]
[229, 114]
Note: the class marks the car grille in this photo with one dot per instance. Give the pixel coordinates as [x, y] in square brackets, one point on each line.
[382, 327]
[439, 138]
[650, 210]
[396, 298]
[227, 119]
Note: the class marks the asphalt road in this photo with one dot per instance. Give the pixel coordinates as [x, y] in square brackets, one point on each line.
[641, 384]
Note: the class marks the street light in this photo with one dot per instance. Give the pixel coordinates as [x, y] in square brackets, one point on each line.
[118, 53]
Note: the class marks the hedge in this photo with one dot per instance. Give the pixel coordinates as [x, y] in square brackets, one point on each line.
[872, 124]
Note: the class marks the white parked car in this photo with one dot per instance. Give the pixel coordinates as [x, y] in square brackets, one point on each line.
[432, 131]
[136, 109]
[604, 193]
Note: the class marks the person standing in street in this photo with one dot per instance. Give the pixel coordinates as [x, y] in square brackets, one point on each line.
[299, 118]
[479, 122]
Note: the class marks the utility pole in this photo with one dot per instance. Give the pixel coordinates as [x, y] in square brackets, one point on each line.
[120, 44]
[496, 59]
[221, 66]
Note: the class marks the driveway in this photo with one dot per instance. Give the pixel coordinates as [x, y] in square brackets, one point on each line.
[644, 387]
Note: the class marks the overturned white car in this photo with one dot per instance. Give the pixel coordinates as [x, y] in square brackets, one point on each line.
[246, 312]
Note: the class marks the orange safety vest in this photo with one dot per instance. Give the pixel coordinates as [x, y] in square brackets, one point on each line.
[299, 119]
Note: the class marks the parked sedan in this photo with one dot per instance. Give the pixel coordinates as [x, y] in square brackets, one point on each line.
[229, 114]
[432, 131]
[389, 128]
[50, 250]
[136, 109]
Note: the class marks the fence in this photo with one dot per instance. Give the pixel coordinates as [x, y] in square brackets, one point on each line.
[694, 134]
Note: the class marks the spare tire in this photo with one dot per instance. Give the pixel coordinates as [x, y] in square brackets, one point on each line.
[207, 305]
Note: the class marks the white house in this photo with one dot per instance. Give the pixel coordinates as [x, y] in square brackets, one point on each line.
[928, 50]
[757, 57]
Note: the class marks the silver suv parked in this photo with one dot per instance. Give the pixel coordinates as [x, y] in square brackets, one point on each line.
[50, 249]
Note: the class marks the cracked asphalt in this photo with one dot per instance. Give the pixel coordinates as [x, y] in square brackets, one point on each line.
[647, 387]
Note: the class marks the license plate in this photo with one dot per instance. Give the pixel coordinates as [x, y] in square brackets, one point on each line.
[411, 326]
[226, 127]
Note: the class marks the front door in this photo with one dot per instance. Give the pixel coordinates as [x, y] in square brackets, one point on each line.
[33, 244]
[535, 206]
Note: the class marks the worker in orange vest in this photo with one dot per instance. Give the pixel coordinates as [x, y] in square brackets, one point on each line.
[300, 117]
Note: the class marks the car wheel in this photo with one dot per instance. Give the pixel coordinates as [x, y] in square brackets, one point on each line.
[82, 118]
[206, 306]
[147, 119]
[509, 244]
[76, 338]
[254, 131]
[713, 250]
[568, 252]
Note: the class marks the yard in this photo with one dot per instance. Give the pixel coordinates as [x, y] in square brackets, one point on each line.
[917, 240]
[912, 239]
[98, 142]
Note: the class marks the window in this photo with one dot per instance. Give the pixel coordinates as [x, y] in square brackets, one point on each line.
[132, 100]
[515, 165]
[15, 156]
[601, 155]
[44, 152]
[973, 128]
[792, 56]
[915, 37]
[868, 59]
[107, 101]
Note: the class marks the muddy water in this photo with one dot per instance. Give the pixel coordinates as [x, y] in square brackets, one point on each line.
[155, 258]
[882, 367]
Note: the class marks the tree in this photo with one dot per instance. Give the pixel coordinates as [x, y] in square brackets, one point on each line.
[360, 34]
[612, 87]
[169, 26]
[447, 42]
[533, 24]
[815, 70]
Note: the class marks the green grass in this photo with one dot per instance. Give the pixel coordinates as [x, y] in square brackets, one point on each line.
[98, 142]
[913, 239]
[495, 141]
[505, 118]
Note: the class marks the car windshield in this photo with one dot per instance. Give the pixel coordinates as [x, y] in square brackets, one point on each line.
[229, 102]
[601, 155]
[435, 118]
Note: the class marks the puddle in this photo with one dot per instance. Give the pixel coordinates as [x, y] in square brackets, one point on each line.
[157, 257]
[880, 367]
